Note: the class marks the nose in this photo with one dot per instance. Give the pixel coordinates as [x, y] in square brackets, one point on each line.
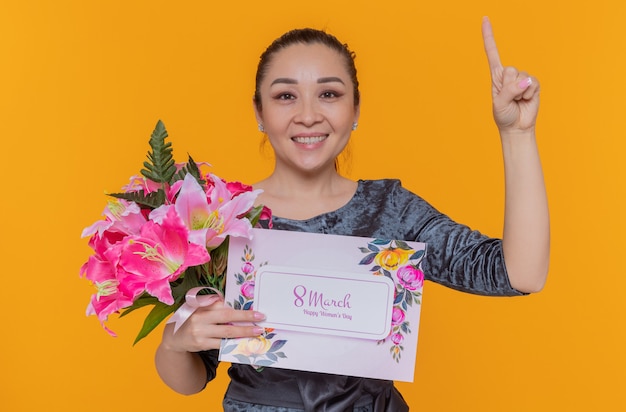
[309, 112]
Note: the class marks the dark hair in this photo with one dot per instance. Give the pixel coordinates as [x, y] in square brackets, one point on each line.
[306, 36]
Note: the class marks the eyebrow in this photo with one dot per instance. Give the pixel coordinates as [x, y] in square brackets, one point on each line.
[286, 80]
[329, 80]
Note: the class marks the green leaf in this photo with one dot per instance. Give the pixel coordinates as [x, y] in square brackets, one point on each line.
[373, 247]
[399, 296]
[189, 280]
[263, 362]
[158, 313]
[190, 168]
[254, 215]
[367, 259]
[418, 254]
[380, 242]
[142, 301]
[277, 345]
[153, 200]
[228, 349]
[161, 167]
[408, 298]
[243, 359]
[402, 245]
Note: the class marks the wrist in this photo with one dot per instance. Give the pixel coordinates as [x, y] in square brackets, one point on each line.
[169, 343]
[517, 134]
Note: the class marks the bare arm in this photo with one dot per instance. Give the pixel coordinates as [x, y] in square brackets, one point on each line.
[182, 371]
[526, 235]
[178, 365]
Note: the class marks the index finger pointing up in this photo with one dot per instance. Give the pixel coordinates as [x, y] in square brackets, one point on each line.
[490, 46]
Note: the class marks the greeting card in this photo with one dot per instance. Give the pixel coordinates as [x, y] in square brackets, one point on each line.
[333, 304]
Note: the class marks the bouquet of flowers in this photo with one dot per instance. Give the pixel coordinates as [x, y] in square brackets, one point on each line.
[166, 233]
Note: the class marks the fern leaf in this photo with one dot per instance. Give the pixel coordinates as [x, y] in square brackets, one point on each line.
[160, 166]
[153, 199]
[193, 168]
[190, 168]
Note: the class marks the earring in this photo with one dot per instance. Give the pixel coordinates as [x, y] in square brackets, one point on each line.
[355, 125]
[261, 128]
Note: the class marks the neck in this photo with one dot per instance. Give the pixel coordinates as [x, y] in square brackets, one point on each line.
[303, 196]
[302, 185]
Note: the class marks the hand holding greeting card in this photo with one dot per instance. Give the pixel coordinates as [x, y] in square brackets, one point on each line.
[333, 304]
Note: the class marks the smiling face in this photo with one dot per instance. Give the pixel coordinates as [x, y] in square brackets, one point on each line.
[307, 106]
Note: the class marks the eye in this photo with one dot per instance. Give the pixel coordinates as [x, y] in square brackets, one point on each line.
[331, 95]
[284, 96]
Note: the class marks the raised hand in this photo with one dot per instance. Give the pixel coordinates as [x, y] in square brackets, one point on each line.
[515, 94]
[526, 232]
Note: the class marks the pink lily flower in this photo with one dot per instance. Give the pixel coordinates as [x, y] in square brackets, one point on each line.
[237, 188]
[100, 244]
[121, 216]
[138, 183]
[110, 298]
[214, 216]
[159, 256]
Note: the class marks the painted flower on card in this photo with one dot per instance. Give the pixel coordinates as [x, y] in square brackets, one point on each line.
[247, 289]
[410, 277]
[400, 262]
[397, 338]
[397, 316]
[252, 347]
[259, 351]
[391, 258]
[247, 268]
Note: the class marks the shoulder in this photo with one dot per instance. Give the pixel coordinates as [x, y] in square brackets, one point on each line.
[389, 189]
[390, 196]
[380, 185]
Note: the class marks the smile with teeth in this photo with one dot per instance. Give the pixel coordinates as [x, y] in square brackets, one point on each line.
[309, 139]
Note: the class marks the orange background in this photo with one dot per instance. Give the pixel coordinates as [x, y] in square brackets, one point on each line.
[82, 84]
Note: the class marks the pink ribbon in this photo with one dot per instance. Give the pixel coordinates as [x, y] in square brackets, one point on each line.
[193, 302]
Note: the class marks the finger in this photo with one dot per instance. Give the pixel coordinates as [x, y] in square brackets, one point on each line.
[225, 314]
[236, 331]
[493, 57]
[199, 333]
[516, 87]
[510, 75]
[531, 90]
[220, 332]
[526, 86]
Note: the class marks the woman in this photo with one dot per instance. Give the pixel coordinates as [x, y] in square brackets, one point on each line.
[307, 102]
